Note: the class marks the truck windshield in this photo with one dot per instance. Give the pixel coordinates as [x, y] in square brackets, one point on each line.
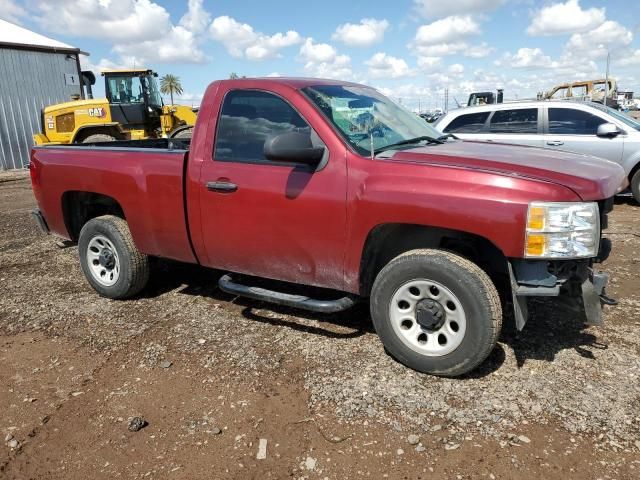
[366, 119]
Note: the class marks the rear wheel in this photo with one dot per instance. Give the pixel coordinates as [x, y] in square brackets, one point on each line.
[99, 137]
[112, 264]
[436, 312]
[635, 186]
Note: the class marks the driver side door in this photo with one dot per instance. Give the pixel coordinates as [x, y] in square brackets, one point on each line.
[279, 220]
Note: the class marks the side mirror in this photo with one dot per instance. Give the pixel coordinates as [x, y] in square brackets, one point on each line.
[608, 130]
[292, 147]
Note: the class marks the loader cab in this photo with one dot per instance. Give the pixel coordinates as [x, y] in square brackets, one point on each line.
[134, 98]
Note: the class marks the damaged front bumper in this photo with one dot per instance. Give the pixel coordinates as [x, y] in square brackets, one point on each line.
[574, 281]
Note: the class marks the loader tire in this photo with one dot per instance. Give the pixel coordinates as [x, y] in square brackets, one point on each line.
[99, 137]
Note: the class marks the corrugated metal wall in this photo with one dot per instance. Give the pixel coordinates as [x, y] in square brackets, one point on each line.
[29, 81]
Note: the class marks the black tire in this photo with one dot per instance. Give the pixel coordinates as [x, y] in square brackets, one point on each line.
[133, 266]
[183, 133]
[99, 137]
[475, 292]
[635, 186]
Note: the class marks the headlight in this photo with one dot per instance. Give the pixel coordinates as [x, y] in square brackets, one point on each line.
[562, 230]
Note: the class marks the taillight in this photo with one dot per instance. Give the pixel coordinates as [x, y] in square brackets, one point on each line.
[34, 172]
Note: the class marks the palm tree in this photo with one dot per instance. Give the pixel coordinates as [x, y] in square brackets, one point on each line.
[171, 84]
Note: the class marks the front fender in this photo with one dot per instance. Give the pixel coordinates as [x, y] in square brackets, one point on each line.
[486, 204]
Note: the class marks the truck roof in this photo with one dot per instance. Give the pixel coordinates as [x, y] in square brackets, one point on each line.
[294, 82]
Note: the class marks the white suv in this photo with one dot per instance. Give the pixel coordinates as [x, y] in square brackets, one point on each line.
[582, 127]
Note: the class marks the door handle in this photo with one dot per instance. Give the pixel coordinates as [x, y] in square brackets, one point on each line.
[555, 143]
[222, 187]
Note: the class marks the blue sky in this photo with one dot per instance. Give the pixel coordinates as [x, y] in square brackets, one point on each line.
[410, 49]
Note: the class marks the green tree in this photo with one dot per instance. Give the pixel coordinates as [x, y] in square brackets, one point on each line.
[170, 84]
[233, 76]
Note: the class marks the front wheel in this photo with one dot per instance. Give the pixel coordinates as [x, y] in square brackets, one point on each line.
[436, 312]
[112, 264]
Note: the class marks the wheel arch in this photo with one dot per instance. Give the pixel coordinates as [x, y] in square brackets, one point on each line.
[386, 241]
[84, 131]
[635, 169]
[78, 207]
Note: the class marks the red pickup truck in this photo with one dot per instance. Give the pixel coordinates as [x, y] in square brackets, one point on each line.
[332, 185]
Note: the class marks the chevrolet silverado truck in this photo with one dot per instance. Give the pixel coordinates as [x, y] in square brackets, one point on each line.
[331, 185]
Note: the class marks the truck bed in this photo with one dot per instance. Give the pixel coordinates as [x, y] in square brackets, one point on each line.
[143, 177]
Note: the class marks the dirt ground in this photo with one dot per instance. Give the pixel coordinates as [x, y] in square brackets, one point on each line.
[216, 376]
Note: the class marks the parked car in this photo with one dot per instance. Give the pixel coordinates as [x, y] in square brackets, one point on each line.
[332, 185]
[589, 128]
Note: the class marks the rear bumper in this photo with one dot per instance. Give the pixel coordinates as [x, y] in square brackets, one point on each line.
[39, 219]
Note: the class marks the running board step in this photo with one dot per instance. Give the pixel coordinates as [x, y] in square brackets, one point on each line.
[297, 301]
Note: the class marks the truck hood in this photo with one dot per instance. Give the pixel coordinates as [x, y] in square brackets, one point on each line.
[589, 177]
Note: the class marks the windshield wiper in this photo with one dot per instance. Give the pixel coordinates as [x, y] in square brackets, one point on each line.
[408, 142]
[448, 135]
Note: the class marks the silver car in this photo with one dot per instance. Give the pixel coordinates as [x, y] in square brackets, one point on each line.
[582, 127]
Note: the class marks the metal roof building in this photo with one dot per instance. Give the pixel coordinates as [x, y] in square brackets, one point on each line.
[35, 71]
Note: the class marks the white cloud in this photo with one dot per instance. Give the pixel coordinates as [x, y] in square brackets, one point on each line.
[563, 18]
[323, 60]
[103, 64]
[446, 30]
[364, 34]
[382, 65]
[456, 69]
[430, 63]
[595, 43]
[11, 11]
[448, 36]
[114, 20]
[268, 46]
[179, 45]
[478, 51]
[241, 40]
[138, 29]
[631, 59]
[439, 8]
[526, 58]
[408, 91]
[197, 19]
[188, 98]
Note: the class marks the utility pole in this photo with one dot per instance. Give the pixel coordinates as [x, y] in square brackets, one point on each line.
[606, 79]
[446, 99]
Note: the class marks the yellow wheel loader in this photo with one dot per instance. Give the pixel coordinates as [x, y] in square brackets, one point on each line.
[133, 110]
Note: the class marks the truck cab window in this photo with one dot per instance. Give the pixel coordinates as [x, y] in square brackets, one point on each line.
[247, 119]
[469, 123]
